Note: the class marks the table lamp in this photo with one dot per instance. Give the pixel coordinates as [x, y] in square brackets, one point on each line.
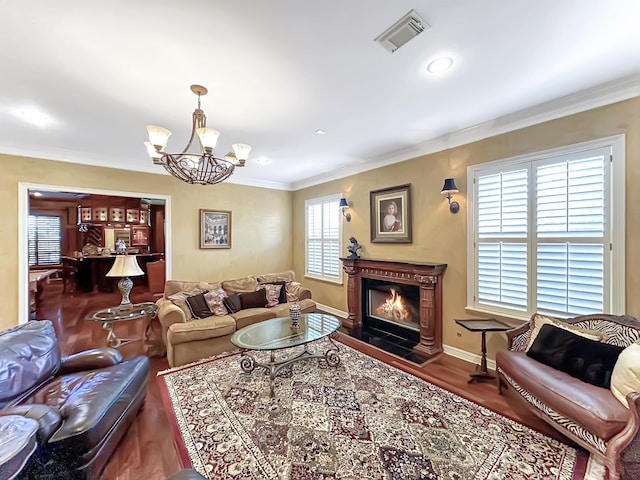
[125, 266]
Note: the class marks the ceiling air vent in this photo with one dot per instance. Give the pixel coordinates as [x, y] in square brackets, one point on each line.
[405, 29]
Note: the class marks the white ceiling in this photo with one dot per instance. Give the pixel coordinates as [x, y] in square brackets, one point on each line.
[279, 70]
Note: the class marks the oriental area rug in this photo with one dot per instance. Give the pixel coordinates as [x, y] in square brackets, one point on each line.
[361, 420]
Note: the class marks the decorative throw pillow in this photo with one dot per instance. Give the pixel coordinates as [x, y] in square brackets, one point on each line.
[539, 320]
[254, 299]
[293, 291]
[273, 293]
[232, 303]
[179, 299]
[198, 306]
[589, 360]
[283, 291]
[215, 301]
[626, 373]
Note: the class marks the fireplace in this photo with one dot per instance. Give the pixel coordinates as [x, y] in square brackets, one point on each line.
[396, 300]
[392, 303]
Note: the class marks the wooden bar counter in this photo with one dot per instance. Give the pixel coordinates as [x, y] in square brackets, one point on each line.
[92, 270]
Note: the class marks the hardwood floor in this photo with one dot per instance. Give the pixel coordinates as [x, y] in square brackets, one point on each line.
[148, 452]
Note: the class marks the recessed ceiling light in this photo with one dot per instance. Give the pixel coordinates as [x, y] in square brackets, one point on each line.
[33, 115]
[321, 132]
[440, 64]
[263, 161]
[36, 194]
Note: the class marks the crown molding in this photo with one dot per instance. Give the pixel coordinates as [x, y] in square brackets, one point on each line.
[91, 159]
[605, 94]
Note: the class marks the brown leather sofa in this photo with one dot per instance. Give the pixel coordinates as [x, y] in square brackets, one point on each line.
[17, 444]
[188, 339]
[83, 403]
[589, 415]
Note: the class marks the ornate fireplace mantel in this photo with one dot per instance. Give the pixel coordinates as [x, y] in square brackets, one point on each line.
[427, 276]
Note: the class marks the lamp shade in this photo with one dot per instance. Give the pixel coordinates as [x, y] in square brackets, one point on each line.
[449, 186]
[208, 137]
[242, 152]
[125, 266]
[343, 203]
[158, 136]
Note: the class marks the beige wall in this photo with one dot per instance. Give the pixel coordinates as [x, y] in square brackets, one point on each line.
[261, 221]
[439, 236]
[265, 226]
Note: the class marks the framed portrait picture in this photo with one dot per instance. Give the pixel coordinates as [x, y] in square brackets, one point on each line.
[391, 214]
[139, 235]
[215, 229]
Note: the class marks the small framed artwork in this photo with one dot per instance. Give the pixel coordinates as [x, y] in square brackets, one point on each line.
[139, 235]
[143, 216]
[215, 229]
[133, 215]
[100, 214]
[116, 214]
[85, 214]
[391, 214]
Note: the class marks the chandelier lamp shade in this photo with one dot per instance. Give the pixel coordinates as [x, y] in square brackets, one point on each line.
[201, 168]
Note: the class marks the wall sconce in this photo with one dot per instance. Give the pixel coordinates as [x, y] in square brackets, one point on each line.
[343, 206]
[448, 189]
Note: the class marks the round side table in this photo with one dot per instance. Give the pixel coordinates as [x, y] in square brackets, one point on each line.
[109, 316]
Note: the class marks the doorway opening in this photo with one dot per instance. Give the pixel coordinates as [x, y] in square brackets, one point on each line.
[144, 199]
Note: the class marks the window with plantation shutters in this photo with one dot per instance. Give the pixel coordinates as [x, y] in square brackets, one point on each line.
[323, 233]
[45, 237]
[544, 234]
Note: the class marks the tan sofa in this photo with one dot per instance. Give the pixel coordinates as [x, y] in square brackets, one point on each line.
[188, 339]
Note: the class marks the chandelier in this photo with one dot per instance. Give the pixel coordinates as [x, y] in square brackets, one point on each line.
[196, 168]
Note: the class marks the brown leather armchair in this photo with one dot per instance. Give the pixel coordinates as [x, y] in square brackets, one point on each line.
[83, 403]
[186, 474]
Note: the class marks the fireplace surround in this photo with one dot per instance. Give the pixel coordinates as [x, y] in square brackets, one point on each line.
[425, 279]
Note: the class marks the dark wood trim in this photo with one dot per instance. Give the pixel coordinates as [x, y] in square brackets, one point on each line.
[427, 276]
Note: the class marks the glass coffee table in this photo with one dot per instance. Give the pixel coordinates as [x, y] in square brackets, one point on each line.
[117, 314]
[277, 334]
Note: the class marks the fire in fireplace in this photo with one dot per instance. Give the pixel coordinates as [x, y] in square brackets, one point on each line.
[394, 303]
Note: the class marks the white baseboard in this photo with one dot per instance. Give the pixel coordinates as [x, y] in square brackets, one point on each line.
[332, 311]
[449, 350]
[468, 356]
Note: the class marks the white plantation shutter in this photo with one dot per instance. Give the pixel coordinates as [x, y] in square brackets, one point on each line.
[502, 275]
[44, 240]
[570, 213]
[570, 278]
[502, 240]
[541, 236]
[323, 238]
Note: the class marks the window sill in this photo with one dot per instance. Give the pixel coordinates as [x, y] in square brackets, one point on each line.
[324, 279]
[508, 318]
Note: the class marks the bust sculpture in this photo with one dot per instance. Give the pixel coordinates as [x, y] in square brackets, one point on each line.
[353, 248]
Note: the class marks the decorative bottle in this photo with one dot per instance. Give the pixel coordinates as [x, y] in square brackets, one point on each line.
[294, 315]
